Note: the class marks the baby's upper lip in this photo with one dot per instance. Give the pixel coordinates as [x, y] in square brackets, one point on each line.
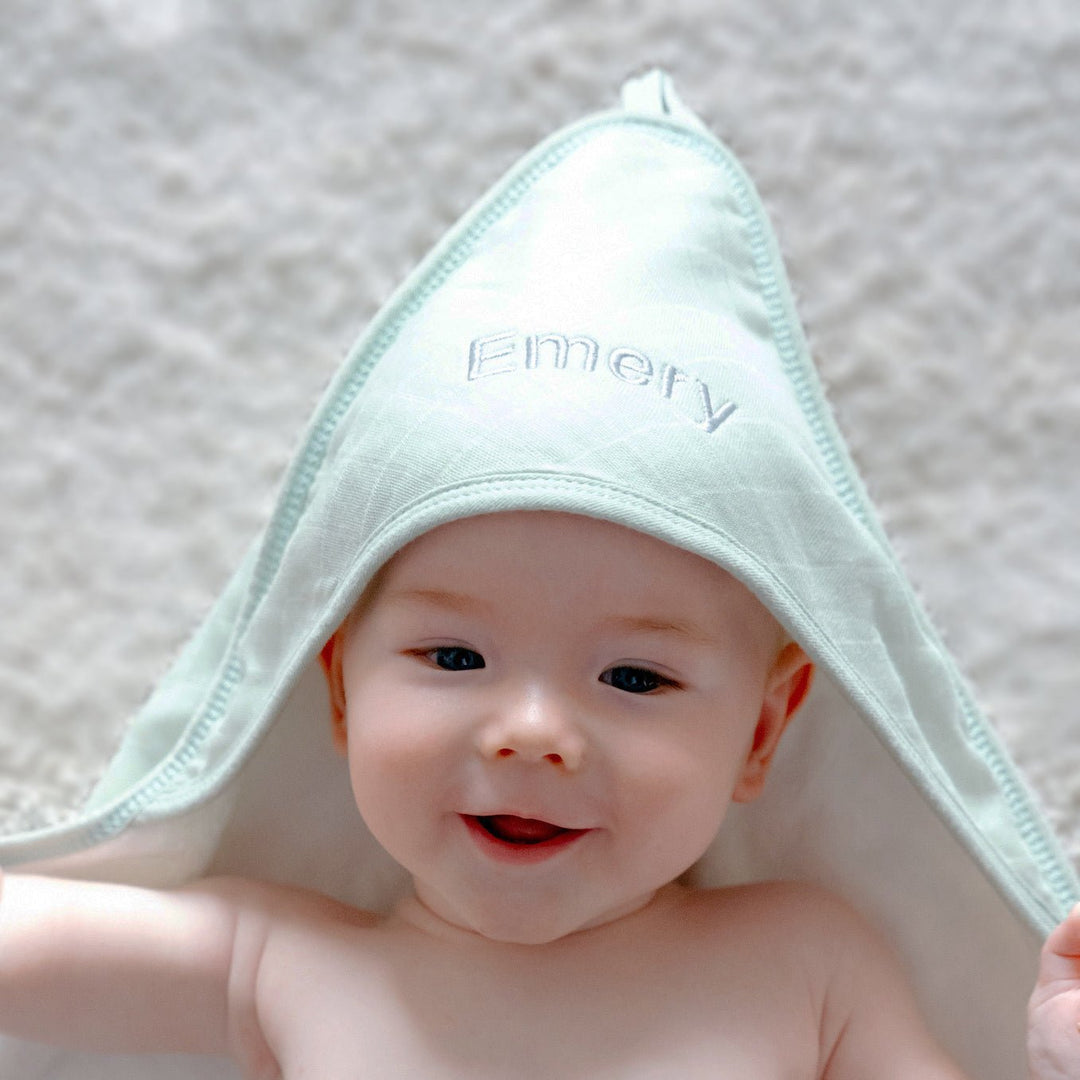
[557, 820]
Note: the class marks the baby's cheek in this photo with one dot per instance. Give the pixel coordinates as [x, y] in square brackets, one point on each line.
[400, 727]
[385, 767]
[680, 810]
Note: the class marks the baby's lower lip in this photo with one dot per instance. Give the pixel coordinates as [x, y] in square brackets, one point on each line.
[515, 839]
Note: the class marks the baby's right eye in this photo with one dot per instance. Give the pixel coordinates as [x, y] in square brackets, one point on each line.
[455, 658]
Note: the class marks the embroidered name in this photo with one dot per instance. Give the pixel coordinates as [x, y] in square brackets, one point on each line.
[500, 354]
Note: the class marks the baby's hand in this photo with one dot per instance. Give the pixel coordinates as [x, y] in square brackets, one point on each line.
[1054, 1008]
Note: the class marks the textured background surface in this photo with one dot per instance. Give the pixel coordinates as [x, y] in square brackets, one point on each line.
[202, 203]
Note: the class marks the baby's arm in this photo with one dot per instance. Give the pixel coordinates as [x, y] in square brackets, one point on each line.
[117, 968]
[1054, 1008]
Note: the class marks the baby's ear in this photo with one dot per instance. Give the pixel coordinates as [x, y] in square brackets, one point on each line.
[786, 688]
[330, 662]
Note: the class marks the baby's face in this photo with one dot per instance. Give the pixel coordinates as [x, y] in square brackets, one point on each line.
[547, 717]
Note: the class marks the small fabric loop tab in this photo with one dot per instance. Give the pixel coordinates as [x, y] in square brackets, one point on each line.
[653, 94]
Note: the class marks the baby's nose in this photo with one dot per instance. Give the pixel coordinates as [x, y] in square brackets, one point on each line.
[536, 728]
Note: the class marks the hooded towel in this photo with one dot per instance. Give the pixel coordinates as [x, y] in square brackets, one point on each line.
[608, 332]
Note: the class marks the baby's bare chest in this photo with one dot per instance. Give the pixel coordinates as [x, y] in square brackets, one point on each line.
[376, 1014]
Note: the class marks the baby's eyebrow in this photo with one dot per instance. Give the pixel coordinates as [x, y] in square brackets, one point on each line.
[443, 598]
[646, 624]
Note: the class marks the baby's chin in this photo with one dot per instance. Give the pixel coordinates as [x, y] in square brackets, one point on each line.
[532, 936]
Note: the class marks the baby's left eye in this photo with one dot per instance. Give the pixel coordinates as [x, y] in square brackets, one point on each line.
[635, 680]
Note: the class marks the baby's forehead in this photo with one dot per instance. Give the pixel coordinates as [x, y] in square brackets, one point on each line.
[500, 554]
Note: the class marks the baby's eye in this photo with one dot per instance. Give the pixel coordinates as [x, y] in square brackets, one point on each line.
[635, 680]
[455, 658]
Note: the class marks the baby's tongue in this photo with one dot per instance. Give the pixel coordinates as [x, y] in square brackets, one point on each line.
[519, 830]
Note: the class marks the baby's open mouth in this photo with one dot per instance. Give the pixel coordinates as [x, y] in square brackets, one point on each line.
[518, 830]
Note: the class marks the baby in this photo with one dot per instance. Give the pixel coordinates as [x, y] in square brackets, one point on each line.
[545, 753]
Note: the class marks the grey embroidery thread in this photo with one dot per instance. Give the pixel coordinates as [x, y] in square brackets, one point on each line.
[509, 351]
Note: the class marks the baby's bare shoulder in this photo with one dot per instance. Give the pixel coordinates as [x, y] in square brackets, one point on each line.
[279, 933]
[279, 929]
[272, 902]
[869, 1022]
[781, 911]
[787, 922]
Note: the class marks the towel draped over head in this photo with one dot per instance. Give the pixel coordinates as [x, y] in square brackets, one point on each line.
[608, 332]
